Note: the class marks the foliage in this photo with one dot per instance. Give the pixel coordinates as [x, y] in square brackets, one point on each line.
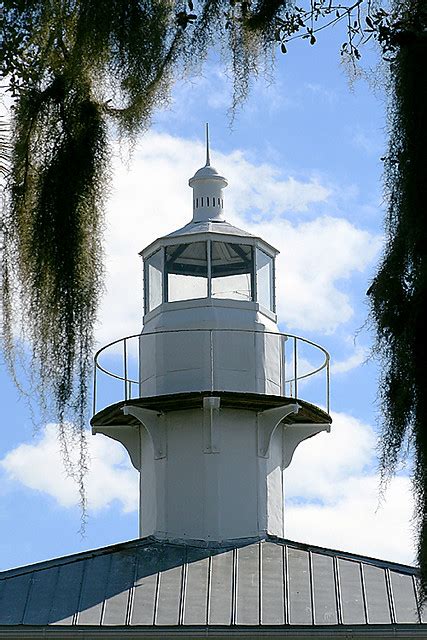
[75, 66]
[398, 292]
[62, 60]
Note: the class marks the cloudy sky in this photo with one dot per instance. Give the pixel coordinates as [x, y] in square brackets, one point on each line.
[302, 158]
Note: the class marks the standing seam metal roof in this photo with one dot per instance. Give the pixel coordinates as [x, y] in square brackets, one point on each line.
[271, 582]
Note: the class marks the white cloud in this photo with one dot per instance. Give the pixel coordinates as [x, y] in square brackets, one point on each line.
[261, 188]
[356, 523]
[355, 359]
[321, 92]
[214, 83]
[153, 199]
[329, 458]
[110, 477]
[333, 495]
[316, 257]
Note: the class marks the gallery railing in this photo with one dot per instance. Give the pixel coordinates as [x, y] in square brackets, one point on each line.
[124, 357]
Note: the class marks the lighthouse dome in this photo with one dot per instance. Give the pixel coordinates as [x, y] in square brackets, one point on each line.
[206, 172]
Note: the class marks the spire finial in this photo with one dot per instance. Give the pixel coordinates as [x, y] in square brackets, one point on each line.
[208, 160]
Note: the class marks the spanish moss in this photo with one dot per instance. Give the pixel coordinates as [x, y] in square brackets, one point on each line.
[398, 292]
[53, 243]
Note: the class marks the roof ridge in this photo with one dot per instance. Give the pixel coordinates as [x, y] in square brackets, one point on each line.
[203, 544]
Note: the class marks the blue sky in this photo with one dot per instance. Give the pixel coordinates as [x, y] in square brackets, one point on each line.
[302, 157]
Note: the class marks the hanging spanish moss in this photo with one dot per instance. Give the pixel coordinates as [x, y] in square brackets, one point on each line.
[69, 56]
[398, 292]
[53, 244]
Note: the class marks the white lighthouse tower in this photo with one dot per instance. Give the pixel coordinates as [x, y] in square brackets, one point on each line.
[217, 408]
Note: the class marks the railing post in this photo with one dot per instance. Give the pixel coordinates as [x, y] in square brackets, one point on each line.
[139, 391]
[283, 340]
[328, 384]
[94, 388]
[125, 366]
[209, 256]
[295, 369]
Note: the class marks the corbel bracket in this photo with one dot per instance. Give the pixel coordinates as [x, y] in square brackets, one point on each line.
[294, 434]
[128, 436]
[267, 423]
[154, 423]
[211, 405]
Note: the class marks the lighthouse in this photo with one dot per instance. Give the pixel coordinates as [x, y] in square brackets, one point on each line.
[211, 399]
[218, 408]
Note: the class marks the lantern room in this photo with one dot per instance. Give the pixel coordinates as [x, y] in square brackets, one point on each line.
[207, 288]
[222, 267]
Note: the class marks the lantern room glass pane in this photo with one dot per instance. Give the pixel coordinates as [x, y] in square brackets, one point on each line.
[232, 271]
[264, 279]
[186, 268]
[154, 281]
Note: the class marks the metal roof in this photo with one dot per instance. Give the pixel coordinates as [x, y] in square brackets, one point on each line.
[210, 226]
[219, 230]
[271, 583]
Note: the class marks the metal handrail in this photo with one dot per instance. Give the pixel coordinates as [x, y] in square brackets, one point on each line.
[128, 382]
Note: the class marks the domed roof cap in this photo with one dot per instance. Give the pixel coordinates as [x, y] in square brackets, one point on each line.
[206, 172]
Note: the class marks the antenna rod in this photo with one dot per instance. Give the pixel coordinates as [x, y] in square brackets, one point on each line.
[208, 160]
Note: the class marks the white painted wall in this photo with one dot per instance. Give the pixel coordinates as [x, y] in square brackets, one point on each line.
[202, 345]
[231, 493]
[211, 473]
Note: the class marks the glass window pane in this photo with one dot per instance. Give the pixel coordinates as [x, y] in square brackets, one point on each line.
[154, 281]
[264, 279]
[187, 271]
[232, 287]
[232, 269]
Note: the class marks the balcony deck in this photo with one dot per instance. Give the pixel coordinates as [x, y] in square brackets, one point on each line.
[113, 414]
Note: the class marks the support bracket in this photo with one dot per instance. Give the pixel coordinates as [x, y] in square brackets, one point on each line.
[128, 436]
[211, 405]
[154, 423]
[267, 423]
[294, 434]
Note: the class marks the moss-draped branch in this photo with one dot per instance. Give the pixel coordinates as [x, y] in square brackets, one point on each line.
[399, 291]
